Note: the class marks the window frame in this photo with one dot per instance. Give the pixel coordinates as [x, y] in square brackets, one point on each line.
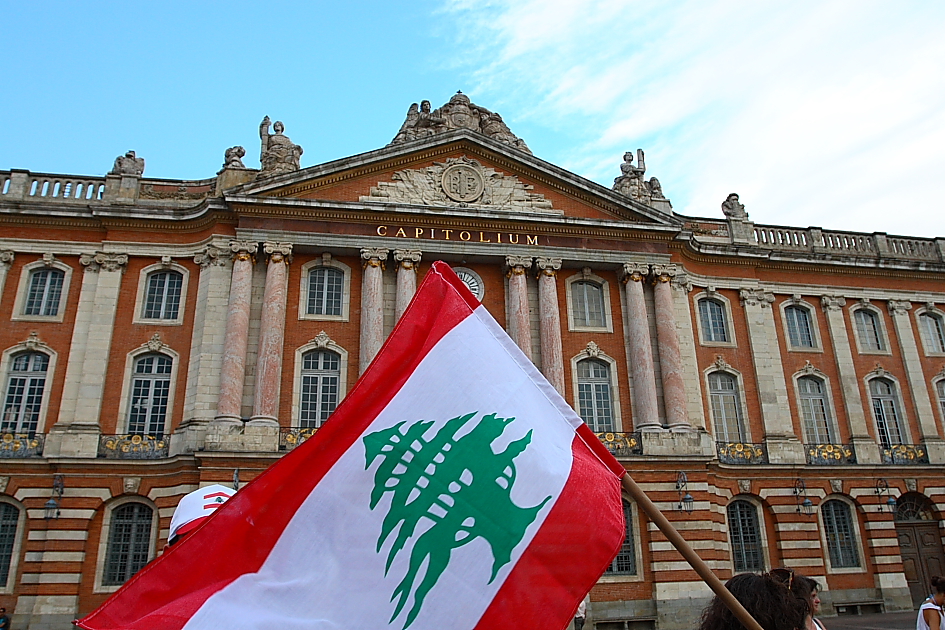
[726, 305]
[633, 526]
[127, 387]
[23, 289]
[938, 387]
[105, 538]
[854, 528]
[588, 276]
[796, 303]
[830, 409]
[16, 552]
[741, 407]
[592, 351]
[325, 261]
[321, 342]
[903, 420]
[931, 347]
[880, 329]
[758, 514]
[144, 278]
[6, 364]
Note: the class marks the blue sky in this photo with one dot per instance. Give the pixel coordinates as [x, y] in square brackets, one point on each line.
[817, 113]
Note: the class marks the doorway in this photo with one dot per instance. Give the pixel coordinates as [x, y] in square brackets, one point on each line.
[920, 543]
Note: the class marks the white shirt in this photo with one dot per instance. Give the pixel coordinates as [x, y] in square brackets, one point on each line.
[921, 624]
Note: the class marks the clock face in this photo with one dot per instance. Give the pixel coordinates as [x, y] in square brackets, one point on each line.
[472, 280]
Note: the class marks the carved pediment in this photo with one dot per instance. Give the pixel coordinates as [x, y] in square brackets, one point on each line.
[460, 182]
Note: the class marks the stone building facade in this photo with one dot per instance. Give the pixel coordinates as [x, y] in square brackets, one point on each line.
[778, 391]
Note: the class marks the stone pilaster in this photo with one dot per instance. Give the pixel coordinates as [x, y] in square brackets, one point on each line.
[6, 259]
[206, 350]
[236, 335]
[407, 261]
[271, 337]
[867, 451]
[76, 432]
[918, 389]
[519, 325]
[372, 304]
[674, 387]
[783, 445]
[549, 322]
[645, 404]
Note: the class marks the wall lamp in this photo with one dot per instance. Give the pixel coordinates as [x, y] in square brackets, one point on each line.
[686, 502]
[882, 490]
[802, 502]
[51, 507]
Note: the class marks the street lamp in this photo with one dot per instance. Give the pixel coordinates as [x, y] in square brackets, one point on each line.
[686, 502]
[804, 504]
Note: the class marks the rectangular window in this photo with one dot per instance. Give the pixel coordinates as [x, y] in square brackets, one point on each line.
[712, 318]
[799, 327]
[868, 330]
[44, 292]
[325, 291]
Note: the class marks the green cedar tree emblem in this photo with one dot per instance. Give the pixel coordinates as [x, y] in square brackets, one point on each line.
[460, 484]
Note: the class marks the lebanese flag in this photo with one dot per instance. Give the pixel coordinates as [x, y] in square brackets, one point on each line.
[453, 488]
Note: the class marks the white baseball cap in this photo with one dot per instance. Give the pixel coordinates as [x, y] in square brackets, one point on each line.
[195, 507]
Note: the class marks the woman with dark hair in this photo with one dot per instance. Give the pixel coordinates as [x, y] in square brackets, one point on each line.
[768, 599]
[805, 589]
[930, 612]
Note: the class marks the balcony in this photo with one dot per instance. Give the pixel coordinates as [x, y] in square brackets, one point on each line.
[133, 446]
[741, 453]
[21, 444]
[830, 454]
[905, 455]
[290, 437]
[621, 444]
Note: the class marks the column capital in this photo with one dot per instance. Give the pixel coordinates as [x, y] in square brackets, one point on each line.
[374, 257]
[210, 256]
[518, 264]
[663, 272]
[548, 266]
[756, 297]
[243, 250]
[408, 258]
[278, 252]
[103, 261]
[635, 272]
[6, 257]
[899, 307]
[832, 302]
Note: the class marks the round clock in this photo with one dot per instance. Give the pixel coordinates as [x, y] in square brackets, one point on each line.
[472, 280]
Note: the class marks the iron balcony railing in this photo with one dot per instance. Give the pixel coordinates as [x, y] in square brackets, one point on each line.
[133, 446]
[830, 454]
[290, 437]
[906, 454]
[741, 453]
[21, 444]
[621, 444]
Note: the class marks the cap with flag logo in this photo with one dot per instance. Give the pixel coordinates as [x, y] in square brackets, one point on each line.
[195, 507]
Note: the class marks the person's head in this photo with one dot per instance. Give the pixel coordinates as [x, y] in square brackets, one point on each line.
[768, 600]
[802, 586]
[937, 584]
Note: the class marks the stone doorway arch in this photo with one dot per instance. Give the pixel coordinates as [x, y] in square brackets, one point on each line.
[920, 542]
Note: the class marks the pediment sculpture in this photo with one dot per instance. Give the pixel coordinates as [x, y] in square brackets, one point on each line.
[460, 182]
[459, 113]
[631, 184]
[277, 154]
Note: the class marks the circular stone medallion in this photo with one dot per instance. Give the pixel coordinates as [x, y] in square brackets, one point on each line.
[462, 183]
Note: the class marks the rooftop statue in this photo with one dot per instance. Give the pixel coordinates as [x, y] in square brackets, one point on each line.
[233, 158]
[631, 182]
[128, 164]
[733, 209]
[277, 154]
[459, 113]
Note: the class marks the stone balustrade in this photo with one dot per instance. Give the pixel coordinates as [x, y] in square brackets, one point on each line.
[876, 245]
[50, 187]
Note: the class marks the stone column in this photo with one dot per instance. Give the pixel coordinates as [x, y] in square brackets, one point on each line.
[236, 336]
[372, 304]
[674, 388]
[519, 325]
[782, 444]
[645, 405]
[549, 318]
[6, 259]
[918, 388]
[867, 450]
[77, 431]
[407, 261]
[271, 337]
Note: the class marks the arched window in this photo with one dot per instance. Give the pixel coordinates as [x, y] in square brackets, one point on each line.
[913, 506]
[24, 393]
[595, 402]
[868, 330]
[886, 410]
[150, 391]
[841, 534]
[626, 561]
[9, 520]
[725, 406]
[933, 330]
[745, 536]
[940, 387]
[817, 424]
[321, 375]
[129, 542]
[325, 291]
[45, 290]
[800, 331]
[712, 317]
[588, 304]
[162, 300]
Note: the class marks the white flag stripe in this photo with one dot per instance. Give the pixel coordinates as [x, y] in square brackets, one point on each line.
[334, 530]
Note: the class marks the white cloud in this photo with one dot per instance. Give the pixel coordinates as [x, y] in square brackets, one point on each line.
[829, 114]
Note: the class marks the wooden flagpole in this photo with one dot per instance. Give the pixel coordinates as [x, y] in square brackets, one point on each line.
[689, 553]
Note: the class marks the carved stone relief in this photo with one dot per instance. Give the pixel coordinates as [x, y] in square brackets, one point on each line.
[131, 484]
[836, 486]
[460, 181]
[744, 486]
